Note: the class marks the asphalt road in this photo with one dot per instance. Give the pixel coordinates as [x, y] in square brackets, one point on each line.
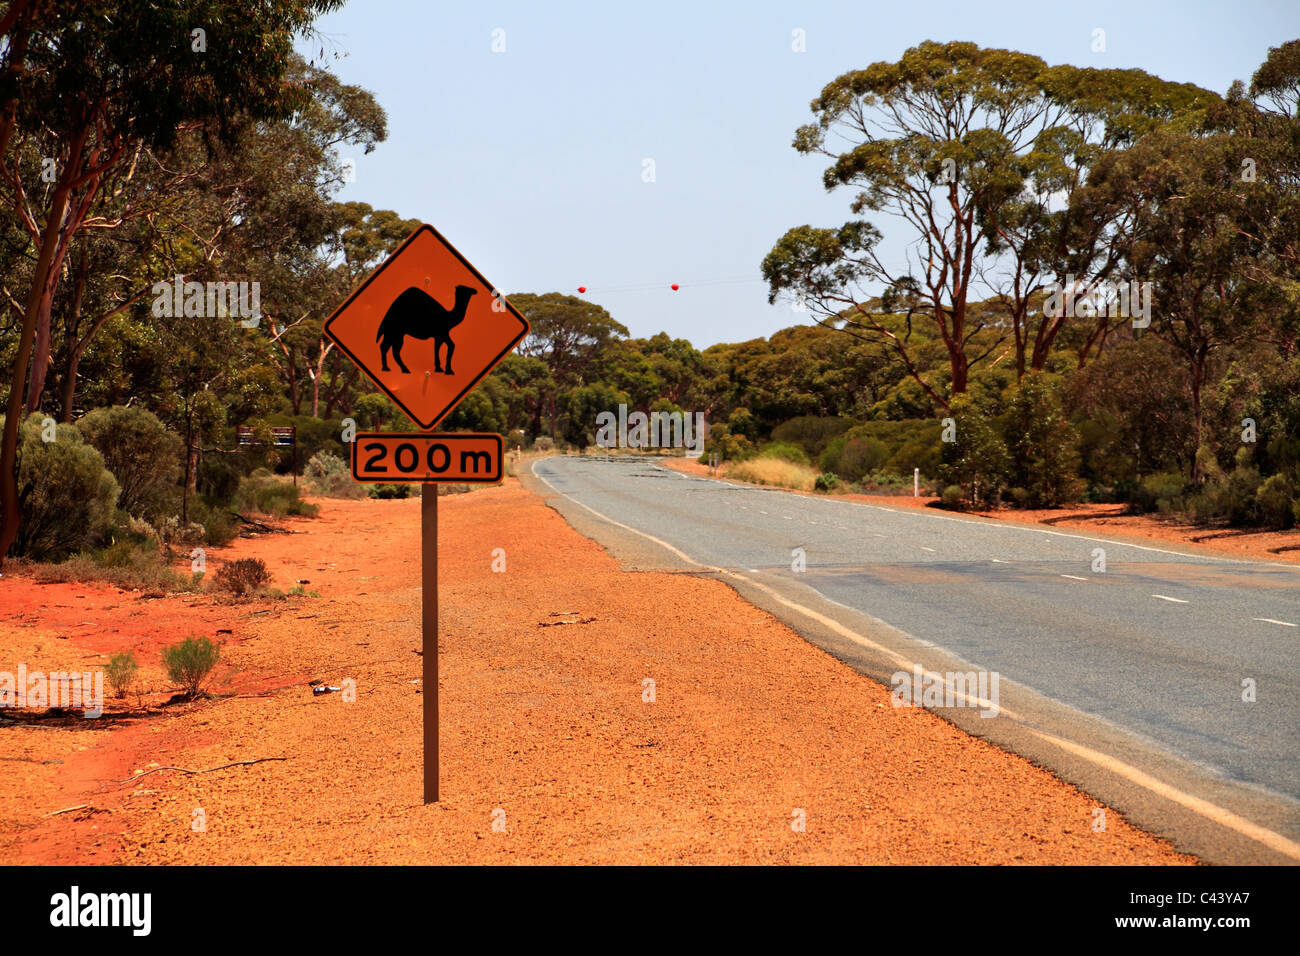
[1127, 681]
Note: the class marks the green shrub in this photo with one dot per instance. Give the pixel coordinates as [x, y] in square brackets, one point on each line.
[1164, 487]
[812, 433]
[1276, 501]
[953, 497]
[263, 492]
[121, 671]
[826, 481]
[1231, 497]
[389, 491]
[1043, 446]
[785, 451]
[189, 663]
[243, 576]
[860, 455]
[907, 444]
[323, 464]
[977, 460]
[885, 482]
[125, 565]
[330, 475]
[220, 474]
[143, 455]
[727, 446]
[543, 443]
[220, 527]
[66, 496]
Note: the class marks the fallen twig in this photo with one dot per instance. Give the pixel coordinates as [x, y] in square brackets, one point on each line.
[80, 806]
[257, 524]
[237, 763]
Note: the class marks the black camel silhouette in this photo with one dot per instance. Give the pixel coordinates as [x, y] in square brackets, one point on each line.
[417, 314]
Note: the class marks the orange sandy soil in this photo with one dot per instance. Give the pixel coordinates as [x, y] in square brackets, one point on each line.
[544, 728]
[1108, 519]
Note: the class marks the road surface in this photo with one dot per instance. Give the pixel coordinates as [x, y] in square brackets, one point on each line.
[1127, 681]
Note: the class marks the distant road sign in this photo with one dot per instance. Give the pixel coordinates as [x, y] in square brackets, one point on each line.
[427, 457]
[280, 435]
[424, 307]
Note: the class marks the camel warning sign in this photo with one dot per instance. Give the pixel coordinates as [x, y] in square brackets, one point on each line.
[426, 326]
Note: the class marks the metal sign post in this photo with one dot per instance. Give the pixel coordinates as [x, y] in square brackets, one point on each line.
[429, 635]
[424, 305]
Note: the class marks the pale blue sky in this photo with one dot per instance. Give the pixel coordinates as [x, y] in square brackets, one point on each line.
[530, 161]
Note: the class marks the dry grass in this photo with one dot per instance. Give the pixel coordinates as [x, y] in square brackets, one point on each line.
[774, 471]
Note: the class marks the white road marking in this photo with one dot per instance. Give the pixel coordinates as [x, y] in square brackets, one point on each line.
[924, 548]
[999, 561]
[762, 512]
[1073, 577]
[1210, 811]
[1165, 598]
[1269, 620]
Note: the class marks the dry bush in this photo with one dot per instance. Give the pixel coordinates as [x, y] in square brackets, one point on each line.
[243, 576]
[774, 471]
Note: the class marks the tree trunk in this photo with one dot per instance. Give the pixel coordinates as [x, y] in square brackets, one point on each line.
[40, 363]
[9, 513]
[960, 372]
[1197, 382]
[68, 393]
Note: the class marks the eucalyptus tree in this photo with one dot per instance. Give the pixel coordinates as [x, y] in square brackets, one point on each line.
[89, 84]
[975, 152]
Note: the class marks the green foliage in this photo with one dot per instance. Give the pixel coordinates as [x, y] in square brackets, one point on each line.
[1042, 444]
[330, 475]
[726, 446]
[582, 405]
[811, 432]
[485, 409]
[954, 497]
[884, 447]
[785, 451]
[142, 454]
[374, 411]
[220, 527]
[189, 663]
[860, 455]
[121, 672]
[826, 481]
[1277, 502]
[267, 494]
[66, 495]
[314, 436]
[977, 460]
[243, 576]
[1159, 492]
[390, 491]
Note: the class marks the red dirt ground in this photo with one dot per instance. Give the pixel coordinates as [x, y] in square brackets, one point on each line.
[551, 751]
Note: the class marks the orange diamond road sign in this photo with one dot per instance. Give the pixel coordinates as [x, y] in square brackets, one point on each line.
[426, 326]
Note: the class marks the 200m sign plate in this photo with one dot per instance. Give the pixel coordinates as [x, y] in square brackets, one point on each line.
[427, 457]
